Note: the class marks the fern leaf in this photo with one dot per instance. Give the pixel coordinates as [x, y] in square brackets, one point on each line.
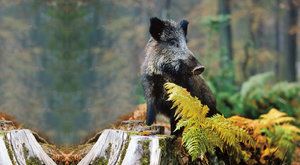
[202, 134]
[254, 85]
[187, 106]
[273, 114]
[292, 128]
[283, 140]
[228, 132]
[198, 141]
[275, 117]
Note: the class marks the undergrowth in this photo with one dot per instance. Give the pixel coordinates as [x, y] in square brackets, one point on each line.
[270, 139]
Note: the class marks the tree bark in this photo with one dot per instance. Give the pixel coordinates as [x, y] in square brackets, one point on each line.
[165, 12]
[19, 147]
[277, 39]
[290, 37]
[120, 147]
[225, 31]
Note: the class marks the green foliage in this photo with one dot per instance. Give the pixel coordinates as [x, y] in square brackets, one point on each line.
[67, 67]
[257, 94]
[203, 134]
[221, 81]
[225, 90]
[260, 93]
[214, 22]
[274, 133]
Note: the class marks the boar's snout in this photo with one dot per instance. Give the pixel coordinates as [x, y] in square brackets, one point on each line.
[198, 70]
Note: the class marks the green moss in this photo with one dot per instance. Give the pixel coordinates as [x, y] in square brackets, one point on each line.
[132, 133]
[25, 151]
[145, 159]
[33, 161]
[124, 151]
[108, 150]
[103, 160]
[169, 150]
[163, 146]
[29, 159]
[100, 161]
[9, 150]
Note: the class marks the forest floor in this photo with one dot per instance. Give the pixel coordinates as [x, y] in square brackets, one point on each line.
[296, 160]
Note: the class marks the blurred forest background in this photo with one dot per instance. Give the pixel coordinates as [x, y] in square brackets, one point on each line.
[70, 67]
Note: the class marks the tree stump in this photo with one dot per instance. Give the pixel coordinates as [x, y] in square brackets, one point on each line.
[19, 147]
[4, 156]
[133, 145]
[118, 147]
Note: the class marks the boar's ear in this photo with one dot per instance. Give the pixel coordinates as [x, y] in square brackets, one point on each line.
[156, 28]
[184, 25]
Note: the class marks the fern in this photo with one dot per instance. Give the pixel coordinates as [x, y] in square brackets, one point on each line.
[281, 133]
[274, 134]
[280, 141]
[188, 107]
[199, 141]
[203, 134]
[252, 87]
[261, 92]
[233, 134]
[275, 117]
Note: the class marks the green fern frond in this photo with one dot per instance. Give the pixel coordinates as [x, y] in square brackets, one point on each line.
[285, 90]
[282, 139]
[198, 141]
[254, 85]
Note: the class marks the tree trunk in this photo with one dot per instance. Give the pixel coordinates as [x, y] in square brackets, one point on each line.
[290, 51]
[225, 31]
[166, 9]
[277, 39]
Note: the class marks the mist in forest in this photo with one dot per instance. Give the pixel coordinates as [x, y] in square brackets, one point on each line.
[68, 68]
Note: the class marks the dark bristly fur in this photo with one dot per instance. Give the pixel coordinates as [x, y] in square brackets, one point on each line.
[168, 59]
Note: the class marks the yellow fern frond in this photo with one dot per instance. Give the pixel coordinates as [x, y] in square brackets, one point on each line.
[228, 132]
[275, 117]
[240, 120]
[266, 154]
[292, 128]
[273, 132]
[202, 134]
[187, 106]
[273, 113]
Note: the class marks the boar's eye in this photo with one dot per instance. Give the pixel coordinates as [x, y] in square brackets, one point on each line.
[174, 42]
